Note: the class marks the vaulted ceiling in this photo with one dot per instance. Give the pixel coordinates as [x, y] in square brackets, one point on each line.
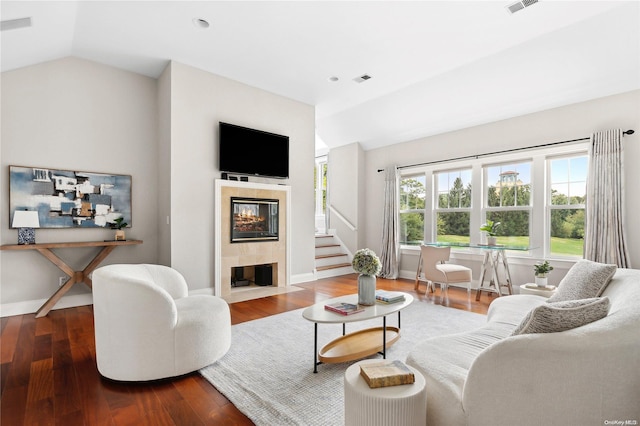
[435, 66]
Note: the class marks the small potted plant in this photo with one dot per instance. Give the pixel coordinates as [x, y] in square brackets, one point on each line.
[118, 226]
[541, 270]
[367, 264]
[491, 229]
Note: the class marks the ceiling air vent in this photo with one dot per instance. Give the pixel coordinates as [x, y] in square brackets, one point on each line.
[362, 78]
[519, 5]
[14, 24]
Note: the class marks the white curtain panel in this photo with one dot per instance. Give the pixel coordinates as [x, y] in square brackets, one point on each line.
[390, 247]
[605, 239]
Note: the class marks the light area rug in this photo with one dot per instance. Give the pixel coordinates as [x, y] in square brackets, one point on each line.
[268, 372]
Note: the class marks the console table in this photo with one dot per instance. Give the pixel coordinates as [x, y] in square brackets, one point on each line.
[74, 276]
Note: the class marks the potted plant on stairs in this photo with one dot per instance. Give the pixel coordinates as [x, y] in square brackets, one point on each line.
[541, 270]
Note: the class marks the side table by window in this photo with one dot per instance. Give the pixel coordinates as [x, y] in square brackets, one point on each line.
[74, 276]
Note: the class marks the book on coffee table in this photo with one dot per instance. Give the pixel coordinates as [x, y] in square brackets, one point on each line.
[387, 373]
[384, 296]
[343, 308]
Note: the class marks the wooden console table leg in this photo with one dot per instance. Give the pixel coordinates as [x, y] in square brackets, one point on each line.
[94, 264]
[49, 304]
[75, 276]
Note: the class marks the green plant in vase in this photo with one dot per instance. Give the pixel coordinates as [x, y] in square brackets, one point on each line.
[541, 271]
[491, 229]
[118, 225]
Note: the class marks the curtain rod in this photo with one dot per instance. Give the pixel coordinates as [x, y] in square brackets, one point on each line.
[476, 156]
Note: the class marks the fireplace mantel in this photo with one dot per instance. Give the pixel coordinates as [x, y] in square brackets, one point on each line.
[228, 255]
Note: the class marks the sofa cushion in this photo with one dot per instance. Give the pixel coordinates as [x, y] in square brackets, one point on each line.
[584, 280]
[560, 316]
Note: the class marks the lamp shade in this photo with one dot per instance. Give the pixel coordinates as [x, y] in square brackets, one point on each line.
[25, 219]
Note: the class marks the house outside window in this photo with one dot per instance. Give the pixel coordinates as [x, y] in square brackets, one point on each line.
[453, 206]
[566, 194]
[412, 209]
[508, 201]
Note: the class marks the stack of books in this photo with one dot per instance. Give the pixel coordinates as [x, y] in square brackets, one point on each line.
[343, 308]
[384, 296]
[387, 373]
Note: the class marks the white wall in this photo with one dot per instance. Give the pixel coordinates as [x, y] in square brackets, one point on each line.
[74, 114]
[80, 115]
[565, 123]
[164, 167]
[199, 100]
[345, 168]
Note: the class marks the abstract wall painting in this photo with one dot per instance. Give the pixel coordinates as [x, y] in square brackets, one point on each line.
[70, 199]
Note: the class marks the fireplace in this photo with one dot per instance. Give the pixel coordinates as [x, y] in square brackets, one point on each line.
[254, 219]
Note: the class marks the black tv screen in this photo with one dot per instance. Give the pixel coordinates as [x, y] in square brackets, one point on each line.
[253, 152]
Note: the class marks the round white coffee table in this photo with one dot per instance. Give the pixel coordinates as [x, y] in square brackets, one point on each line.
[531, 288]
[387, 406]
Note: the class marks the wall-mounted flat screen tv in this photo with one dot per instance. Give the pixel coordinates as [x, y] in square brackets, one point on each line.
[252, 152]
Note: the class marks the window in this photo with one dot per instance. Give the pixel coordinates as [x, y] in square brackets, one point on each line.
[412, 209]
[453, 206]
[538, 196]
[566, 200]
[320, 185]
[508, 201]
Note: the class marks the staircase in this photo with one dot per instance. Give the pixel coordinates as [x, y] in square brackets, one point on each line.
[331, 258]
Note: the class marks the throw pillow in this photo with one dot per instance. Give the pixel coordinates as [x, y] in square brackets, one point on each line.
[560, 316]
[585, 279]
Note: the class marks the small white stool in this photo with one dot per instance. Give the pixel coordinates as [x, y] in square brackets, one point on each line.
[387, 406]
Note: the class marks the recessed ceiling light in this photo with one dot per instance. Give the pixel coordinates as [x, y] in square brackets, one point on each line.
[200, 23]
[333, 79]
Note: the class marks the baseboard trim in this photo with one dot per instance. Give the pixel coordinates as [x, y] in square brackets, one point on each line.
[302, 278]
[31, 306]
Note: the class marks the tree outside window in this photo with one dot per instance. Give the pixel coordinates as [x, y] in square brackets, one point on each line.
[567, 195]
[412, 204]
[453, 211]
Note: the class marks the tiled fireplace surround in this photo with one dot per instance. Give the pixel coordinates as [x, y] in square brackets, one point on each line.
[248, 254]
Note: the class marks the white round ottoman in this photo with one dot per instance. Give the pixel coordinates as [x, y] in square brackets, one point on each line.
[391, 405]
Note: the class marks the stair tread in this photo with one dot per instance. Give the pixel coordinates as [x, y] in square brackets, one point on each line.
[323, 256]
[328, 245]
[339, 265]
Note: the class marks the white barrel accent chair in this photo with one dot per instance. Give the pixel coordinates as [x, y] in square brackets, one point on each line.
[147, 327]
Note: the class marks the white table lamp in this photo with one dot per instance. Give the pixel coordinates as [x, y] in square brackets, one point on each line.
[26, 221]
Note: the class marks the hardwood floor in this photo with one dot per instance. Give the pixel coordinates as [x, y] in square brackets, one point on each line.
[48, 371]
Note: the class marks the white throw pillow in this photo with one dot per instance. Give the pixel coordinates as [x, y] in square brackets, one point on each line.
[584, 280]
[560, 316]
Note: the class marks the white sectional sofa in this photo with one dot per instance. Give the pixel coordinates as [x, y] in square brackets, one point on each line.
[589, 375]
